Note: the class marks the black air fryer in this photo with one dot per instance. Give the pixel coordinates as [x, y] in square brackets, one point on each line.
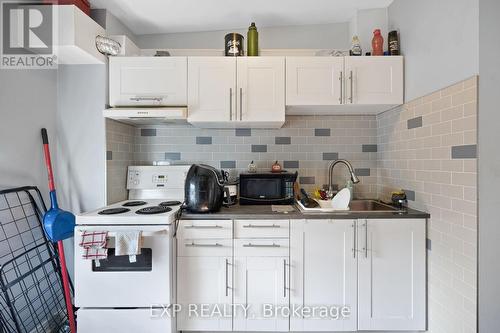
[204, 189]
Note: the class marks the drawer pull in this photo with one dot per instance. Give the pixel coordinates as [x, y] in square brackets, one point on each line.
[193, 244]
[203, 227]
[138, 99]
[261, 226]
[261, 245]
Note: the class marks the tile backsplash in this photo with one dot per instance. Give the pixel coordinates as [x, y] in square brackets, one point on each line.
[428, 147]
[306, 144]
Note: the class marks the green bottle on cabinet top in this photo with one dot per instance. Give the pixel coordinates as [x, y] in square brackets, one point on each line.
[252, 41]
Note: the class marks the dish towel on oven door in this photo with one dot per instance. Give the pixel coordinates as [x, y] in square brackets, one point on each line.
[128, 243]
[94, 245]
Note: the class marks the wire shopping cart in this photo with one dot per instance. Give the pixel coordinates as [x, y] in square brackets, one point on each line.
[31, 293]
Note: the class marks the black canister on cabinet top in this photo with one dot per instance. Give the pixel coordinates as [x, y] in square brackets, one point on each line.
[234, 45]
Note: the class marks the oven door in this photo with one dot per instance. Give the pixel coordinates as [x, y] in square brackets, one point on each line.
[115, 282]
[261, 190]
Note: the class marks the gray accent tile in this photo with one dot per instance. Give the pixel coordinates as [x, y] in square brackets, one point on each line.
[259, 148]
[362, 172]
[322, 132]
[243, 132]
[291, 164]
[148, 131]
[335, 187]
[466, 151]
[203, 140]
[282, 140]
[410, 195]
[173, 156]
[330, 156]
[228, 164]
[109, 155]
[414, 122]
[307, 180]
[428, 244]
[369, 148]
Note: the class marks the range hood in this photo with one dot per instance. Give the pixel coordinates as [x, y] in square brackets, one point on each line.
[147, 116]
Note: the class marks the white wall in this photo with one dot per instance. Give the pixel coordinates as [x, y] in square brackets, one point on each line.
[27, 103]
[489, 166]
[439, 40]
[320, 36]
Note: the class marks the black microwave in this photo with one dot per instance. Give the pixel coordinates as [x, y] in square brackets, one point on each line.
[267, 188]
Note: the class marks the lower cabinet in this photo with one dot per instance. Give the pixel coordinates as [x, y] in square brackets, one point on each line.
[377, 268]
[391, 274]
[313, 275]
[323, 275]
[204, 281]
[261, 275]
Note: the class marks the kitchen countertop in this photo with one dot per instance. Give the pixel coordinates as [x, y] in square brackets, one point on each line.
[263, 212]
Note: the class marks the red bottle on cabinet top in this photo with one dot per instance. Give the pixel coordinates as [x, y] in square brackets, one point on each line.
[377, 43]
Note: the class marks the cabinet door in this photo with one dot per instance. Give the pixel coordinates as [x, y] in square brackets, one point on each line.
[374, 80]
[261, 285]
[261, 90]
[147, 81]
[204, 280]
[392, 274]
[211, 90]
[314, 80]
[323, 273]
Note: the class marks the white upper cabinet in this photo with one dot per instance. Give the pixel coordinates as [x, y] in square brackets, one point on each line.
[343, 85]
[314, 80]
[374, 80]
[147, 81]
[392, 275]
[261, 91]
[226, 92]
[211, 90]
[323, 272]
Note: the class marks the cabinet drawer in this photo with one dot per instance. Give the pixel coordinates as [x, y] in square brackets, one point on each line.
[205, 229]
[261, 248]
[204, 247]
[261, 229]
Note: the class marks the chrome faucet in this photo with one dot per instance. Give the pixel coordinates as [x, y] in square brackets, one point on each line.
[354, 178]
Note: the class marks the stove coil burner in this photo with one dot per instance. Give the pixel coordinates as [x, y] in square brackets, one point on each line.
[153, 210]
[170, 203]
[113, 211]
[134, 203]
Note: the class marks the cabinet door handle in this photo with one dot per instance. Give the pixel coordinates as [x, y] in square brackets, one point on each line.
[138, 99]
[261, 226]
[227, 273]
[350, 81]
[341, 87]
[241, 104]
[354, 240]
[203, 227]
[230, 103]
[193, 244]
[366, 239]
[261, 245]
[284, 278]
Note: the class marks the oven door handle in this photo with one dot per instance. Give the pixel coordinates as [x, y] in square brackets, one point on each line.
[144, 232]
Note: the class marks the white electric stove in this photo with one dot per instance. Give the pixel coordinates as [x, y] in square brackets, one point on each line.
[115, 294]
